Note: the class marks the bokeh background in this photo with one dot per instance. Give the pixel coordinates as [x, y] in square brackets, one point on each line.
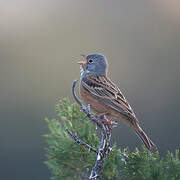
[40, 43]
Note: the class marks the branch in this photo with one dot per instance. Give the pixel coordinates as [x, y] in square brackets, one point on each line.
[80, 142]
[104, 145]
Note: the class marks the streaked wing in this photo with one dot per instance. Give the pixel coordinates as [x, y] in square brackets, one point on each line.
[107, 92]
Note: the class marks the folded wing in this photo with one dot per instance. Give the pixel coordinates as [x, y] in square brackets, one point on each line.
[107, 92]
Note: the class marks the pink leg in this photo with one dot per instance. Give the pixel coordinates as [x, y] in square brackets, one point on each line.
[108, 122]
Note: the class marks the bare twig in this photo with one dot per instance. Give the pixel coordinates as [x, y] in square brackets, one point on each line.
[104, 145]
[80, 142]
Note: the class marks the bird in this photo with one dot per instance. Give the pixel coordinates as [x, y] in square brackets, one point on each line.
[104, 97]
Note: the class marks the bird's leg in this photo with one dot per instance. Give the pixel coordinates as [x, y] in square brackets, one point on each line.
[107, 122]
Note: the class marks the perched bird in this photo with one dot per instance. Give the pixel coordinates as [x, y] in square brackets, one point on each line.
[104, 96]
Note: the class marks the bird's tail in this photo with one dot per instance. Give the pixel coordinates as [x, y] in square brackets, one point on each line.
[145, 139]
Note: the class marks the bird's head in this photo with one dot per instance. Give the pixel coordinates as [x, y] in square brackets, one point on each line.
[94, 64]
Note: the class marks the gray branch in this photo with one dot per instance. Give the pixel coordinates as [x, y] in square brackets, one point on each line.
[104, 145]
[80, 142]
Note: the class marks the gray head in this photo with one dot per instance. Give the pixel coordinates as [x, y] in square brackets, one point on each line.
[94, 64]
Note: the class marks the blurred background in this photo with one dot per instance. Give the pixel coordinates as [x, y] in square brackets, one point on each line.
[40, 43]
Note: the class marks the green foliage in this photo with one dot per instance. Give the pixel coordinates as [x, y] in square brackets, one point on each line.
[69, 161]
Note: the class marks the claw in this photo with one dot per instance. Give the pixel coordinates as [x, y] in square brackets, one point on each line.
[107, 122]
[111, 119]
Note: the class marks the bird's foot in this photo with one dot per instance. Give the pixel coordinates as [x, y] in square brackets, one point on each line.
[108, 122]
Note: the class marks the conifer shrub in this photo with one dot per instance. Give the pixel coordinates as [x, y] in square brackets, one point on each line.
[69, 161]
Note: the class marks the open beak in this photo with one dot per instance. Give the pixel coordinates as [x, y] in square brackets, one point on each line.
[81, 63]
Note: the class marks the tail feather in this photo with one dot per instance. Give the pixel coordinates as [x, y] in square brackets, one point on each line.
[145, 139]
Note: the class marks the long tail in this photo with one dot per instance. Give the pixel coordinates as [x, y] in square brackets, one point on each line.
[145, 139]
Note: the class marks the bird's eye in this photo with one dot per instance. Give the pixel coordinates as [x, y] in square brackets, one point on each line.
[90, 61]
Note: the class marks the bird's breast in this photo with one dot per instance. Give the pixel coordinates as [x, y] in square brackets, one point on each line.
[95, 104]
